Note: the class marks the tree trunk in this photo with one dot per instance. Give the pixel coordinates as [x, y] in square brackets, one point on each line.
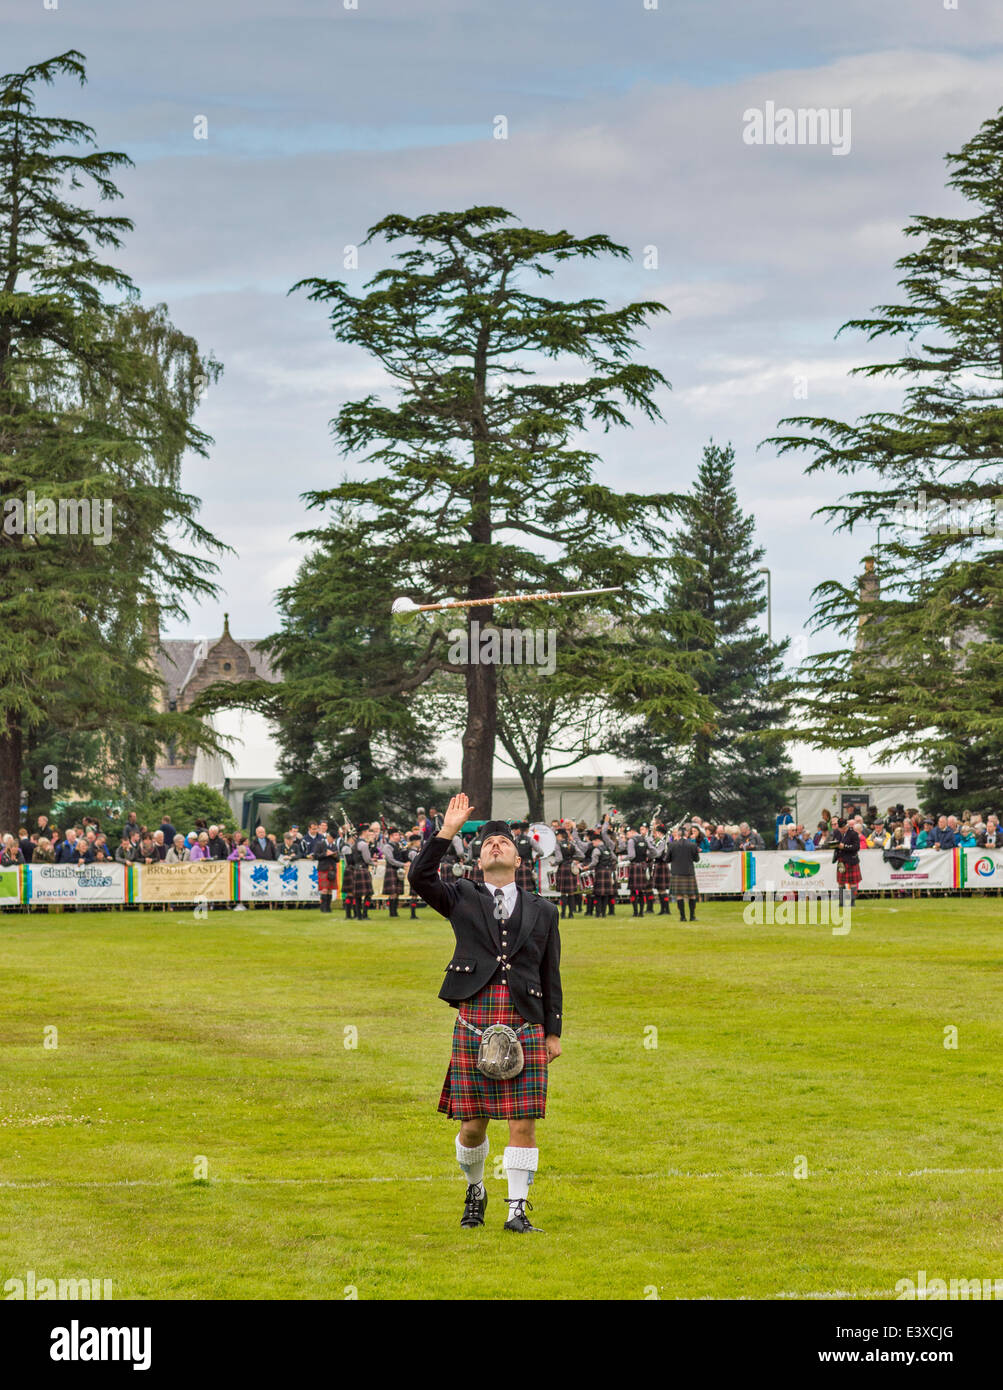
[482, 722]
[11, 754]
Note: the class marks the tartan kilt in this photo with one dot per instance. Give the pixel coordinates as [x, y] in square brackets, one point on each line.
[637, 876]
[683, 886]
[525, 878]
[327, 876]
[566, 880]
[391, 882]
[661, 876]
[603, 883]
[466, 1092]
[446, 874]
[358, 883]
[475, 873]
[847, 875]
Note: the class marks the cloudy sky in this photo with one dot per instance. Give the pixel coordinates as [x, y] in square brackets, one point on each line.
[622, 118]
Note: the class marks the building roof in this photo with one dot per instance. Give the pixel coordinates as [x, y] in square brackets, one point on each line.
[179, 659]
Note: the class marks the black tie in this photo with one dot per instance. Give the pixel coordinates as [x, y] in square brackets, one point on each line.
[500, 914]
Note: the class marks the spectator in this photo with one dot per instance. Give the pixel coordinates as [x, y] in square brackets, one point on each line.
[241, 850]
[11, 853]
[200, 849]
[721, 842]
[792, 836]
[784, 818]
[263, 847]
[166, 830]
[290, 851]
[177, 854]
[44, 853]
[124, 854]
[216, 843]
[748, 838]
[145, 851]
[944, 836]
[66, 851]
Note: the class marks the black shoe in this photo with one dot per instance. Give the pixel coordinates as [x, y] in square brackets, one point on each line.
[473, 1207]
[518, 1220]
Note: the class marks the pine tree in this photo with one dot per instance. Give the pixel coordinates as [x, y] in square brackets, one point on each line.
[353, 727]
[97, 395]
[735, 766]
[486, 488]
[920, 666]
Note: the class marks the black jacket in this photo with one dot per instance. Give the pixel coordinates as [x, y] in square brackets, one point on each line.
[533, 967]
[268, 852]
[681, 856]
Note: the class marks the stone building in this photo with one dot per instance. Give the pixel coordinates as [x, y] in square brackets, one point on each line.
[187, 667]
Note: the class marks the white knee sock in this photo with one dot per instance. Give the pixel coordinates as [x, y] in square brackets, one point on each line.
[520, 1164]
[472, 1162]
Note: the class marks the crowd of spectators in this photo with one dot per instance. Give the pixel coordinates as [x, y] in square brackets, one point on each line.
[87, 843]
[897, 829]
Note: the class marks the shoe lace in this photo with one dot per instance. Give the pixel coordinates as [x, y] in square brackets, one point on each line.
[519, 1204]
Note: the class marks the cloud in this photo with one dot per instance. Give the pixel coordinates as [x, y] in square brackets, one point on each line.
[322, 120]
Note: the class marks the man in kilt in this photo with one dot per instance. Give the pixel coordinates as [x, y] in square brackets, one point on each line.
[525, 877]
[602, 862]
[682, 856]
[505, 970]
[638, 853]
[327, 870]
[396, 861]
[847, 858]
[660, 873]
[414, 844]
[566, 880]
[359, 878]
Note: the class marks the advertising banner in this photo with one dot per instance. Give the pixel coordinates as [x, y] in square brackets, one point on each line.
[723, 873]
[267, 881]
[77, 883]
[925, 868]
[981, 868]
[786, 871]
[211, 880]
[10, 886]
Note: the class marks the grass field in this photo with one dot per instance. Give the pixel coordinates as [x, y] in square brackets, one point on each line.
[668, 1167]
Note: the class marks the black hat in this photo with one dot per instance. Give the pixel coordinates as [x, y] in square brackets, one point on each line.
[495, 827]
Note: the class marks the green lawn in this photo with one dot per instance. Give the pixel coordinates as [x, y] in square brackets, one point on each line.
[669, 1166]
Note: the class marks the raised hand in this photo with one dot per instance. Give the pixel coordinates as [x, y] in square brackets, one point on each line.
[458, 812]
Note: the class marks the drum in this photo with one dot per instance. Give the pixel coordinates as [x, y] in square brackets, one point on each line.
[405, 884]
[379, 872]
[586, 880]
[623, 876]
